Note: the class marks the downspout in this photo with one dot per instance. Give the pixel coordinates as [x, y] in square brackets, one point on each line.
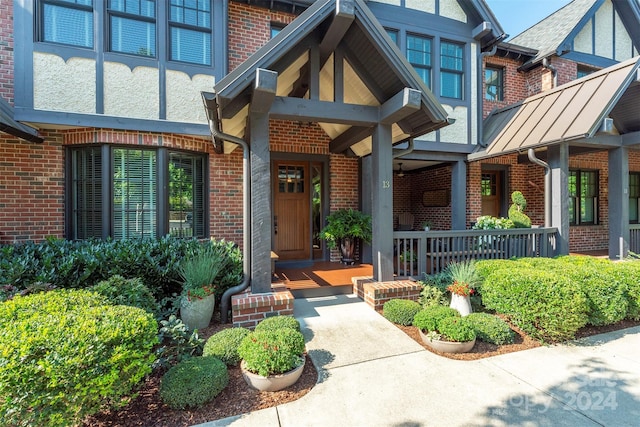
[547, 185]
[481, 57]
[246, 214]
[404, 151]
[554, 72]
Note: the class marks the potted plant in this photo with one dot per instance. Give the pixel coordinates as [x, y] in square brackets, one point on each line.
[426, 225]
[464, 279]
[344, 228]
[443, 329]
[199, 272]
[272, 359]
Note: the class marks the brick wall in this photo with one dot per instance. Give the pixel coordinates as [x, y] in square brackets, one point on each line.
[6, 51]
[249, 29]
[514, 82]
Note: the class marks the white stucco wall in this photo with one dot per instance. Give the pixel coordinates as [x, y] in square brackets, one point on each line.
[458, 132]
[64, 86]
[184, 101]
[604, 30]
[624, 44]
[584, 40]
[393, 2]
[451, 9]
[131, 93]
[423, 5]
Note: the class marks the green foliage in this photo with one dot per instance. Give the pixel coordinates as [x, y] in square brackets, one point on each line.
[66, 354]
[428, 318]
[490, 328]
[272, 352]
[516, 211]
[200, 269]
[456, 329]
[81, 264]
[193, 382]
[488, 222]
[346, 223]
[546, 305]
[400, 311]
[629, 273]
[431, 295]
[176, 343]
[224, 345]
[278, 322]
[132, 292]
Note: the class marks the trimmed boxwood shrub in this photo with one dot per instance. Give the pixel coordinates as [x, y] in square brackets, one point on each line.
[193, 382]
[224, 345]
[272, 352]
[429, 318]
[400, 311]
[546, 305]
[66, 354]
[629, 273]
[490, 328]
[278, 322]
[456, 329]
[121, 291]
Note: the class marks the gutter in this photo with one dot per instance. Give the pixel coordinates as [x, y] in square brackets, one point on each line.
[217, 135]
[403, 152]
[547, 185]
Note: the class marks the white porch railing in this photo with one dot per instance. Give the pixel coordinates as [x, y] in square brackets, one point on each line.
[634, 238]
[417, 252]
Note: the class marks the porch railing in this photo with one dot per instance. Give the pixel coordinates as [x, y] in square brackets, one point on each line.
[634, 238]
[417, 252]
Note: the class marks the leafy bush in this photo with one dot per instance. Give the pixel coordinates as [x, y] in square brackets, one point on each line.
[488, 222]
[278, 322]
[629, 273]
[176, 343]
[272, 352]
[121, 291]
[516, 211]
[193, 382]
[431, 295]
[224, 345]
[546, 305]
[427, 319]
[68, 354]
[456, 329]
[491, 329]
[81, 264]
[400, 311]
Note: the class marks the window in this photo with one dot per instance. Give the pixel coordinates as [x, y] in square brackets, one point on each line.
[583, 197]
[133, 206]
[190, 31]
[493, 80]
[419, 55]
[67, 22]
[584, 71]
[275, 29]
[634, 197]
[393, 34]
[132, 26]
[451, 74]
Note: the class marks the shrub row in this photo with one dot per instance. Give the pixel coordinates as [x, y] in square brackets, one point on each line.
[400, 311]
[81, 264]
[65, 354]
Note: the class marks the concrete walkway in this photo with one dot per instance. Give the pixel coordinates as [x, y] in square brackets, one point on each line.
[372, 374]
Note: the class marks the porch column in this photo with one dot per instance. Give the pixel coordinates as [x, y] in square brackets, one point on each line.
[618, 203]
[459, 195]
[559, 164]
[366, 193]
[260, 203]
[382, 203]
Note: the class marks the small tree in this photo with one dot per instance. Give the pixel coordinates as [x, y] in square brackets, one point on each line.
[516, 211]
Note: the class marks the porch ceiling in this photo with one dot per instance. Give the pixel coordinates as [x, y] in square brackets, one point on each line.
[335, 52]
[573, 112]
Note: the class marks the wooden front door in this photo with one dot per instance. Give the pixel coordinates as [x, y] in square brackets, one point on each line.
[491, 193]
[291, 214]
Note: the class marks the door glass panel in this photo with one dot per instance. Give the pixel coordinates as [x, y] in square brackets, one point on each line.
[316, 204]
[290, 179]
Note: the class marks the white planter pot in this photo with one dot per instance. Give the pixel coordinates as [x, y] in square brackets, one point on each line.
[462, 303]
[447, 346]
[272, 382]
[197, 314]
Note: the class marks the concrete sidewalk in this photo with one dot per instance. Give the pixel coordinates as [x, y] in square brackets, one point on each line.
[372, 374]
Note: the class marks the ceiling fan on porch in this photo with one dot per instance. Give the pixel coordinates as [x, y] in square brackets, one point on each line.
[400, 172]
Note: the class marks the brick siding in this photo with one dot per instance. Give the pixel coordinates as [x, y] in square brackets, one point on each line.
[6, 51]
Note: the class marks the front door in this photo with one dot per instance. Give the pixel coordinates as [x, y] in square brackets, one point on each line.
[291, 214]
[491, 193]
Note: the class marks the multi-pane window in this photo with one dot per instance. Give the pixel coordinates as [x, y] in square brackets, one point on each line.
[67, 22]
[190, 31]
[127, 200]
[275, 29]
[393, 34]
[583, 197]
[419, 55]
[493, 81]
[451, 69]
[489, 185]
[132, 26]
[634, 197]
[584, 71]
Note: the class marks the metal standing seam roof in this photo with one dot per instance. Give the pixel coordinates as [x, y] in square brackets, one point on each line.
[569, 112]
[10, 126]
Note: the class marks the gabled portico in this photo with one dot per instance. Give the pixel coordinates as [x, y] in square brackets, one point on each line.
[334, 65]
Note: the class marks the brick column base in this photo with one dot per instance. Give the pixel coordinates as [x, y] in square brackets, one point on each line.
[377, 293]
[248, 309]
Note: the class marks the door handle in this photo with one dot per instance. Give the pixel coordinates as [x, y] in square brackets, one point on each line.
[275, 224]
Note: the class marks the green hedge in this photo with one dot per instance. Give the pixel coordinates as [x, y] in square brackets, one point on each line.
[224, 345]
[491, 329]
[66, 354]
[81, 264]
[193, 382]
[400, 311]
[132, 292]
[278, 322]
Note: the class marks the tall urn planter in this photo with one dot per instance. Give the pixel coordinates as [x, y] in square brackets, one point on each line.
[461, 303]
[197, 313]
[345, 227]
